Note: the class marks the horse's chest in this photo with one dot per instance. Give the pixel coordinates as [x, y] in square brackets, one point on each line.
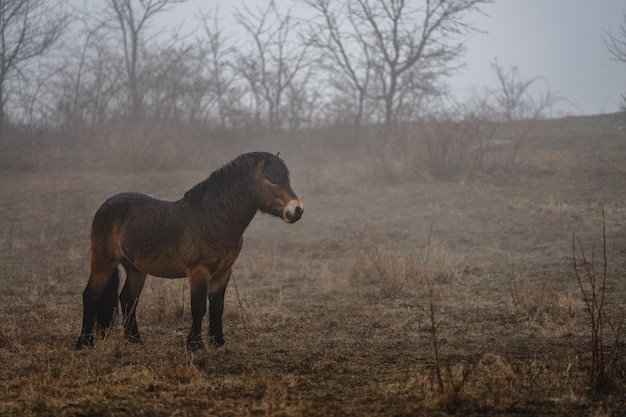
[219, 257]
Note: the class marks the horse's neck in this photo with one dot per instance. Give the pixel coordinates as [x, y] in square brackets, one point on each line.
[229, 214]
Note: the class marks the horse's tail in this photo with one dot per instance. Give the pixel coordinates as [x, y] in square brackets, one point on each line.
[109, 302]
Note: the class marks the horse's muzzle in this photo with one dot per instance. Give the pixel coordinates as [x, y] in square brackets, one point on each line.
[293, 211]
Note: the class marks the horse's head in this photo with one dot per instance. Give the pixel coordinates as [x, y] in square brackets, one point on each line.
[274, 192]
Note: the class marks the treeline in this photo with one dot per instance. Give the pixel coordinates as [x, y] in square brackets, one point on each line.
[280, 65]
[112, 83]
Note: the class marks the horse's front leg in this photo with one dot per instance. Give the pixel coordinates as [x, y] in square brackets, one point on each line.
[198, 284]
[217, 289]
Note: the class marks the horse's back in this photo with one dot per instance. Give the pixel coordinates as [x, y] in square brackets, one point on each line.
[143, 229]
[115, 210]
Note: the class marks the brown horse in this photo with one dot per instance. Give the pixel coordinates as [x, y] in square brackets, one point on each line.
[198, 236]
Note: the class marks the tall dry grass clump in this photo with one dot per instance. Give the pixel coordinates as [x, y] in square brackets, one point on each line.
[390, 273]
[382, 270]
[543, 305]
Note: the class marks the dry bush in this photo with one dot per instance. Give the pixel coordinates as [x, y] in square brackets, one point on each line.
[393, 274]
[543, 304]
[450, 148]
[152, 145]
[126, 146]
[381, 269]
[439, 266]
[591, 275]
[455, 149]
[497, 382]
[328, 159]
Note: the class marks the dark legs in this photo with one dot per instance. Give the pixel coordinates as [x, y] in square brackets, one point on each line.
[89, 320]
[99, 301]
[216, 309]
[215, 288]
[198, 287]
[128, 298]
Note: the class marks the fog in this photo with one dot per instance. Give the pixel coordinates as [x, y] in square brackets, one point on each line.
[560, 40]
[286, 67]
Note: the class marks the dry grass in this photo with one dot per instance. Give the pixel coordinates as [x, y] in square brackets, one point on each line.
[333, 314]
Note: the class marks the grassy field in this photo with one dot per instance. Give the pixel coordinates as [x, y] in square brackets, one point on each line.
[339, 313]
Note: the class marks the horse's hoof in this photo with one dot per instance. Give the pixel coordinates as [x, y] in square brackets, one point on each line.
[84, 340]
[195, 345]
[218, 341]
[194, 342]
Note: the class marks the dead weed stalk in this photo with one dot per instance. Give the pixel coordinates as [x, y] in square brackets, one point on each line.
[450, 386]
[592, 283]
[243, 316]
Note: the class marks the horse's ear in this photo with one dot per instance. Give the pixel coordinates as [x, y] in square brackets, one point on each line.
[277, 154]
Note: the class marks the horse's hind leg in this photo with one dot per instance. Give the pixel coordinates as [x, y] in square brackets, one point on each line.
[99, 301]
[129, 296]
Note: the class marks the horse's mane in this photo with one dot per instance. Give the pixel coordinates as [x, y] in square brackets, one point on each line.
[221, 183]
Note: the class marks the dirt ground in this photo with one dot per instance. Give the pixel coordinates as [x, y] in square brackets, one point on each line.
[338, 314]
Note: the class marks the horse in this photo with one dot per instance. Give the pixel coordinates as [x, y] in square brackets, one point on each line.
[198, 237]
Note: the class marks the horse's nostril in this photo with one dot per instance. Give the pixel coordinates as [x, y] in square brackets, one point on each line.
[293, 211]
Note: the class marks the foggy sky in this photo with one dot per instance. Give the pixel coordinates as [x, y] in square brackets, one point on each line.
[559, 40]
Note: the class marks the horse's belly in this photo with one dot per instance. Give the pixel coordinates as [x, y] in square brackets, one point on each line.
[154, 249]
[160, 269]
[166, 267]
[159, 262]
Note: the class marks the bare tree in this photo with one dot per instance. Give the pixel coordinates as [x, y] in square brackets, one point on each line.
[173, 83]
[89, 82]
[28, 30]
[302, 103]
[274, 60]
[407, 38]
[346, 53]
[132, 18]
[32, 102]
[514, 98]
[220, 66]
[393, 38]
[615, 42]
